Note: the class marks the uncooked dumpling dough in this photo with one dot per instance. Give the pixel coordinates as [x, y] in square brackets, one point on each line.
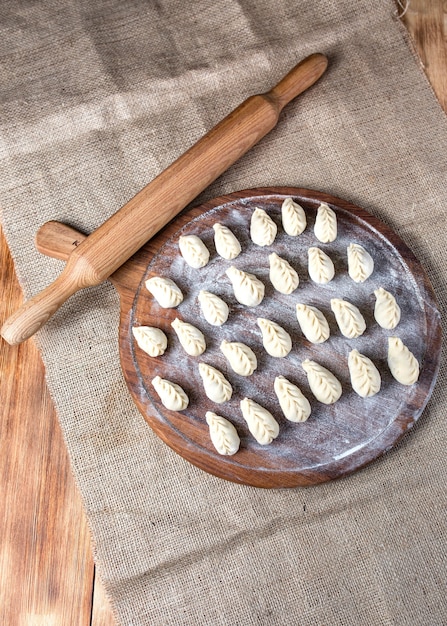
[262, 228]
[402, 363]
[214, 309]
[241, 358]
[171, 395]
[293, 217]
[276, 340]
[223, 434]
[365, 377]
[165, 291]
[191, 338]
[194, 251]
[360, 263]
[151, 340]
[325, 387]
[294, 404]
[227, 244]
[217, 387]
[261, 422]
[248, 289]
[325, 228]
[312, 322]
[386, 310]
[321, 267]
[282, 275]
[349, 319]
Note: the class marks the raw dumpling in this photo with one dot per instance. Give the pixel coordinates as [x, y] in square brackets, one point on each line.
[293, 217]
[241, 358]
[321, 268]
[402, 363]
[276, 340]
[386, 310]
[227, 245]
[312, 322]
[191, 338]
[217, 387]
[365, 377]
[325, 387]
[151, 340]
[262, 228]
[349, 319]
[360, 263]
[325, 228]
[194, 251]
[223, 434]
[294, 405]
[171, 395]
[248, 289]
[214, 309]
[165, 291]
[282, 275]
[261, 422]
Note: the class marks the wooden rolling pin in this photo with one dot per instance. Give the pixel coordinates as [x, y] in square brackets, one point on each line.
[98, 256]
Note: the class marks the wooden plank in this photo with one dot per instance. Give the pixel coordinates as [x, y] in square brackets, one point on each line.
[46, 568]
[426, 21]
[102, 614]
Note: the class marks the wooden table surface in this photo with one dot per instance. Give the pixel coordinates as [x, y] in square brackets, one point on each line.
[47, 574]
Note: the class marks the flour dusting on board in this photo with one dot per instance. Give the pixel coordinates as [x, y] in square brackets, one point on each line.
[330, 432]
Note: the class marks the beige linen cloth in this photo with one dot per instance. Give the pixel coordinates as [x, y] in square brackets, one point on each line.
[96, 99]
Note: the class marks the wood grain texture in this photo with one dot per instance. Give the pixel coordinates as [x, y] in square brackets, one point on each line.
[426, 21]
[101, 612]
[46, 570]
[25, 593]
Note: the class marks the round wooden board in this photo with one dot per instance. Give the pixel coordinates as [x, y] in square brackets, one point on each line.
[337, 439]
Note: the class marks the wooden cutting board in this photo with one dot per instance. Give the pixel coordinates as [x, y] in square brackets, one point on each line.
[336, 440]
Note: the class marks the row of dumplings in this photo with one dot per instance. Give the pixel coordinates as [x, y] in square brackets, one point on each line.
[276, 340]
[250, 290]
[282, 275]
[263, 231]
[365, 380]
[243, 361]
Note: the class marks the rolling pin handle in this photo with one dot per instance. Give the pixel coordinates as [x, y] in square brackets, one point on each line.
[300, 78]
[57, 240]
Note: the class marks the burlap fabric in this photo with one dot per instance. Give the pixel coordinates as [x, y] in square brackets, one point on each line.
[96, 99]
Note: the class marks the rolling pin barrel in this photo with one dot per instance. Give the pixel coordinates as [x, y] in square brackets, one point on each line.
[107, 248]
